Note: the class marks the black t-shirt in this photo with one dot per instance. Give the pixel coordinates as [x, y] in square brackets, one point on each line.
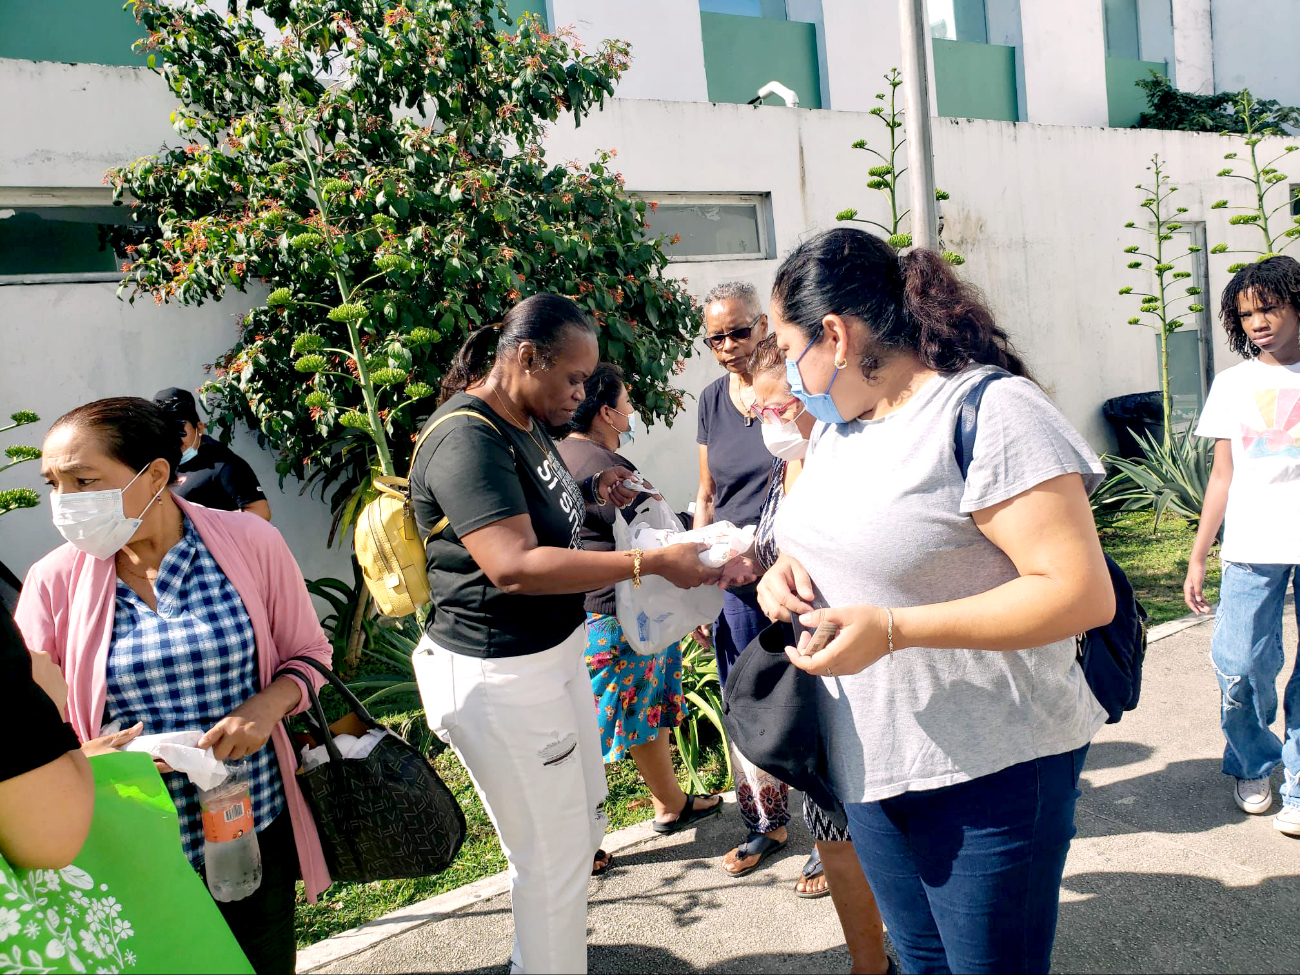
[738, 459]
[477, 473]
[44, 735]
[216, 477]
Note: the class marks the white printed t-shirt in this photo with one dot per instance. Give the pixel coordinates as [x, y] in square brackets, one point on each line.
[1257, 407]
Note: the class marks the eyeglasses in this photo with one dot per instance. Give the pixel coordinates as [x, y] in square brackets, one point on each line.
[773, 414]
[719, 339]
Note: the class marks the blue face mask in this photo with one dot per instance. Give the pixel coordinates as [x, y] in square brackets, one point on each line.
[625, 437]
[820, 405]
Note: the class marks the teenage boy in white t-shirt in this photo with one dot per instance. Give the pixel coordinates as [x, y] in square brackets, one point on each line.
[1253, 414]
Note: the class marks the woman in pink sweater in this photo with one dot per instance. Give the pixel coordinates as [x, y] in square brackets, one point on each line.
[165, 616]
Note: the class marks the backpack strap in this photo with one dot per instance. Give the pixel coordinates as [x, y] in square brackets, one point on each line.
[968, 422]
[442, 523]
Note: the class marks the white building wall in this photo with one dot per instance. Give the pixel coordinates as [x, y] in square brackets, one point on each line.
[1255, 45]
[1038, 211]
[68, 344]
[667, 46]
[1064, 55]
[862, 44]
[1193, 46]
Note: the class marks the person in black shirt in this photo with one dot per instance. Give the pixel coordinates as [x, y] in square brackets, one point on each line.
[210, 473]
[47, 794]
[500, 668]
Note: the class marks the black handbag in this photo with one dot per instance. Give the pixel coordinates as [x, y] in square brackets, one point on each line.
[387, 816]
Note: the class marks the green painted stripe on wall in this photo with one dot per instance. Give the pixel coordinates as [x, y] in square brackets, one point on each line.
[974, 80]
[742, 54]
[1126, 100]
[73, 31]
[517, 8]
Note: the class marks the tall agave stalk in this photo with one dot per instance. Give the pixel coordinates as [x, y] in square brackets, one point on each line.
[1161, 307]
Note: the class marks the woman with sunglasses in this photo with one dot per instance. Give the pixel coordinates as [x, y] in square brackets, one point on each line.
[734, 472]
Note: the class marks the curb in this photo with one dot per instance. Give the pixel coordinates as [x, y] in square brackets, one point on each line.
[350, 942]
[1178, 625]
[339, 946]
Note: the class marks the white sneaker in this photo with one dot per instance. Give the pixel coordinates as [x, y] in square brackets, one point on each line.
[1255, 796]
[1288, 821]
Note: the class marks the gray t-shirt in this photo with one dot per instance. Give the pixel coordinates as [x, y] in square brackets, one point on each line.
[880, 516]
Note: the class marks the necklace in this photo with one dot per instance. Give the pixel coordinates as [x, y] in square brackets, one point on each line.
[530, 429]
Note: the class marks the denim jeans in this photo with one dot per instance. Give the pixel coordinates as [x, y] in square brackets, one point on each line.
[968, 877]
[1248, 657]
[736, 628]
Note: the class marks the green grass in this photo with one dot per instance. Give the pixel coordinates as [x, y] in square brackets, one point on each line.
[345, 906]
[1156, 564]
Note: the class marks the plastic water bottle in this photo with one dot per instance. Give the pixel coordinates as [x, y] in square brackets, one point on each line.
[232, 857]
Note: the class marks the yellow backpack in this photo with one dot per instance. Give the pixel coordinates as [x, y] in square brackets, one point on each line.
[387, 541]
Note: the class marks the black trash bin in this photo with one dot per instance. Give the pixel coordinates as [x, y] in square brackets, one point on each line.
[1133, 414]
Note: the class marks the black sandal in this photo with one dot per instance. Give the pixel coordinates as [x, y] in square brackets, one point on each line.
[812, 869]
[756, 844]
[601, 855]
[689, 816]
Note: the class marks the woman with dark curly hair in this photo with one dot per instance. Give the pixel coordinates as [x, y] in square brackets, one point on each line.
[638, 698]
[1253, 414]
[955, 716]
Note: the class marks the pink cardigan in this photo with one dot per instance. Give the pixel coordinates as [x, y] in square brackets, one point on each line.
[66, 610]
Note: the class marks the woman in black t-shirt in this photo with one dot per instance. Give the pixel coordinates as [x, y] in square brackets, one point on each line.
[501, 668]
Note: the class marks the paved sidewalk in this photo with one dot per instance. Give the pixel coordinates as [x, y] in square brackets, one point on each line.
[1166, 875]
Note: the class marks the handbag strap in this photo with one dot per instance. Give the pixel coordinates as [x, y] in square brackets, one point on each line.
[334, 680]
[441, 524]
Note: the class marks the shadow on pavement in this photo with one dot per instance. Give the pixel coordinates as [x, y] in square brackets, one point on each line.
[1190, 796]
[1166, 922]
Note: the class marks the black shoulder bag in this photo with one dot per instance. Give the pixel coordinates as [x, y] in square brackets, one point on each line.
[1111, 655]
[387, 816]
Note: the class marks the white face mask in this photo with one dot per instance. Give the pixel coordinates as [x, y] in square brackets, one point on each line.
[189, 453]
[625, 437]
[784, 441]
[95, 521]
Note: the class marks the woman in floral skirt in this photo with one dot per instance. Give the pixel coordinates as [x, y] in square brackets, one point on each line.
[636, 696]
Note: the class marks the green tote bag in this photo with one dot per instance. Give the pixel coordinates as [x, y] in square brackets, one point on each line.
[130, 902]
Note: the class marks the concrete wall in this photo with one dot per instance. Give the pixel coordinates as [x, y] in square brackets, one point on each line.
[667, 52]
[1255, 44]
[68, 344]
[1038, 211]
[1065, 68]
[1193, 46]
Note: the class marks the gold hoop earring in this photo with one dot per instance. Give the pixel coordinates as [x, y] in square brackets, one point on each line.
[841, 363]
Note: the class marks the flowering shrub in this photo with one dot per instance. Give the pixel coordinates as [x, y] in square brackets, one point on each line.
[377, 166]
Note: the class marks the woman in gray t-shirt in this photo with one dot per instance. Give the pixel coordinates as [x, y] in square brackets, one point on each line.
[955, 716]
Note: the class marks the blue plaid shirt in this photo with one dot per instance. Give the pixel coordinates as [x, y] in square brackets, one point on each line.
[185, 667]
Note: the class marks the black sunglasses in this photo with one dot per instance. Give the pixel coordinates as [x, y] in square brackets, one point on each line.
[719, 339]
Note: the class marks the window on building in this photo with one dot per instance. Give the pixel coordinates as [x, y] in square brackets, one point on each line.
[1295, 198]
[1191, 348]
[712, 226]
[959, 20]
[1123, 35]
[50, 237]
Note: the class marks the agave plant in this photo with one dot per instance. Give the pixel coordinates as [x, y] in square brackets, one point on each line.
[701, 687]
[389, 645]
[1165, 478]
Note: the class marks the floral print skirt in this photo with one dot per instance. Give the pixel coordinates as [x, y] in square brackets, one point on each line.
[635, 695]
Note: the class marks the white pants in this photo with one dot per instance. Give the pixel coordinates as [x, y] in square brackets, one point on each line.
[525, 728]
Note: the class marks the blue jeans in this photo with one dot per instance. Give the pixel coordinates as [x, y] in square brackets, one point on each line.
[1248, 657]
[968, 876]
[739, 625]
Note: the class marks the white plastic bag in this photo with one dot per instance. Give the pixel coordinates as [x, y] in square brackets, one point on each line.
[724, 539]
[658, 614]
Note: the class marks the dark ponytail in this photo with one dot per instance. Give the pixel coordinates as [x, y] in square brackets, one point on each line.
[542, 320]
[954, 327]
[916, 304]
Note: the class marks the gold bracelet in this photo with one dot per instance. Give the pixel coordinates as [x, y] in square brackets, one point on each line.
[636, 567]
[890, 614]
